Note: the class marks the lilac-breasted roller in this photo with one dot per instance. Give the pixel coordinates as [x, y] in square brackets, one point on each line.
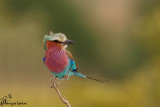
[58, 60]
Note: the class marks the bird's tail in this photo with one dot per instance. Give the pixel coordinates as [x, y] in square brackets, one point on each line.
[82, 75]
[96, 79]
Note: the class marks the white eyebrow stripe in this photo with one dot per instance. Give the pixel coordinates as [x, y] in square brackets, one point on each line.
[56, 38]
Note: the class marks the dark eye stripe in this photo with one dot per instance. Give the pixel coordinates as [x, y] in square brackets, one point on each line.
[56, 41]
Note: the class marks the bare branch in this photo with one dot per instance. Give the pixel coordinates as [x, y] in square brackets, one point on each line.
[63, 99]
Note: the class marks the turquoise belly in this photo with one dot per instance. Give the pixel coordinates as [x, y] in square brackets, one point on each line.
[66, 70]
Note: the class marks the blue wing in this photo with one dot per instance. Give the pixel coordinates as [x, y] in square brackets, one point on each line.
[44, 59]
[73, 65]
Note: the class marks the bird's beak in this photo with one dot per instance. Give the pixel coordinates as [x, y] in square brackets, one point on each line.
[68, 42]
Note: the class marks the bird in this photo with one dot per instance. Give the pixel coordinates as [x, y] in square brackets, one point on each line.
[58, 59]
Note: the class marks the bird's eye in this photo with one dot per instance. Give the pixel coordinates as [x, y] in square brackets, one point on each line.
[56, 41]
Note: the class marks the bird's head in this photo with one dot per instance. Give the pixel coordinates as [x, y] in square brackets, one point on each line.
[56, 39]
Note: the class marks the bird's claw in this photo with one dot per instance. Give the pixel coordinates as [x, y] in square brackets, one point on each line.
[51, 80]
[53, 85]
[66, 77]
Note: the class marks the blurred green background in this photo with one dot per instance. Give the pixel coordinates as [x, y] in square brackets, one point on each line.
[116, 40]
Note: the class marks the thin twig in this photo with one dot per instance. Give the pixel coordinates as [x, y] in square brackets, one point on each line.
[63, 99]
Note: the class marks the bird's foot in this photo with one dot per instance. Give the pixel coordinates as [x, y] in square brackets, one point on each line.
[66, 77]
[53, 85]
[53, 82]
